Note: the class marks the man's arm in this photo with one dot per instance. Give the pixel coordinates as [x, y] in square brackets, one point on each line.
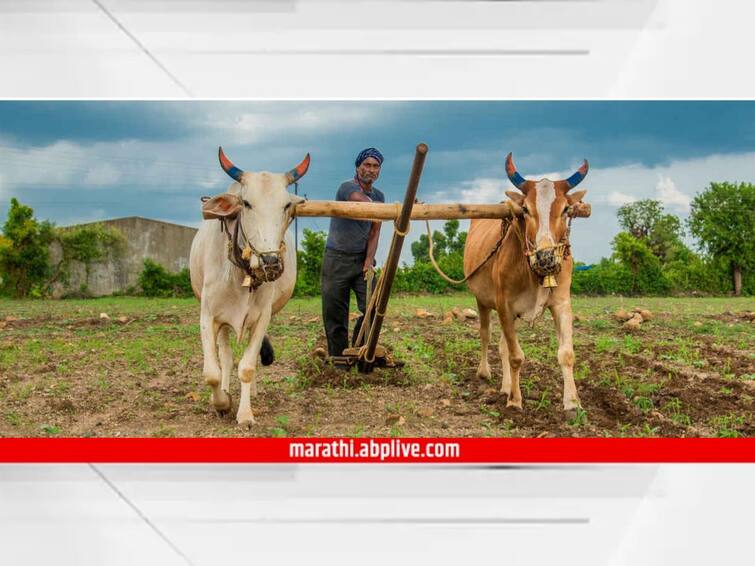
[372, 243]
[372, 239]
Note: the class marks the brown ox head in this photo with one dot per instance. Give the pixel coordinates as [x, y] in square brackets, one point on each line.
[261, 205]
[546, 206]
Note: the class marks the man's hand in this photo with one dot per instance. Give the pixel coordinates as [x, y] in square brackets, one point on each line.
[367, 265]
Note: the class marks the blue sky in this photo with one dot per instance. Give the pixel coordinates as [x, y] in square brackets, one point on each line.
[81, 161]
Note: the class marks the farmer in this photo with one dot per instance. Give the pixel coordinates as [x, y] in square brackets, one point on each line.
[350, 254]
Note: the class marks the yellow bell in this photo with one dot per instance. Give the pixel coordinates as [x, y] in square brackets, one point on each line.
[549, 281]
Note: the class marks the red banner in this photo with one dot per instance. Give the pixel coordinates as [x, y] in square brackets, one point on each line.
[378, 450]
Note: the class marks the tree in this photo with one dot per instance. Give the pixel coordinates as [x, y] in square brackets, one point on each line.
[309, 268]
[24, 253]
[446, 243]
[646, 221]
[645, 268]
[722, 217]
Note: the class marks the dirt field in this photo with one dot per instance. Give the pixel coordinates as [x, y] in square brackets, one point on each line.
[65, 371]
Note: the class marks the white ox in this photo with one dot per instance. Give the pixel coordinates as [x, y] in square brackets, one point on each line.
[255, 214]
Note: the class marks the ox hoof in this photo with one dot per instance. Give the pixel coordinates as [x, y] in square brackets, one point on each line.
[483, 372]
[572, 416]
[572, 406]
[515, 404]
[223, 404]
[245, 421]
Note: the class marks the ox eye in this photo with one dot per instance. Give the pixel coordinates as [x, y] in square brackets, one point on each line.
[287, 206]
[246, 204]
[525, 210]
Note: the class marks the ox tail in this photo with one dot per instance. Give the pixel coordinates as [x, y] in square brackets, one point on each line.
[267, 354]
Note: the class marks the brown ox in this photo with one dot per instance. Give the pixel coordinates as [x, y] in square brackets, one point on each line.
[512, 282]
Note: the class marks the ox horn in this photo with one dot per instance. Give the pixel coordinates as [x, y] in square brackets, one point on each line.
[577, 178]
[234, 172]
[513, 174]
[298, 172]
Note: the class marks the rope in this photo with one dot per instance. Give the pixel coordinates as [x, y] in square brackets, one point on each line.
[363, 354]
[367, 311]
[504, 230]
[399, 232]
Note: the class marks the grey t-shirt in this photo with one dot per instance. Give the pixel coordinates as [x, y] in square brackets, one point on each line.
[347, 235]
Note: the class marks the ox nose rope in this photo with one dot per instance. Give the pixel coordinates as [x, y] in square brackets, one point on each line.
[243, 258]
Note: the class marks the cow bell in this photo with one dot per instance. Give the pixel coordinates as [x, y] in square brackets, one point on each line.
[549, 281]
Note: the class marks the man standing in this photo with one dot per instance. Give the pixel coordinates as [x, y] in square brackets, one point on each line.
[350, 253]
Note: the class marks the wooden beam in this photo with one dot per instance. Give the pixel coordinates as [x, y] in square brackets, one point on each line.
[380, 211]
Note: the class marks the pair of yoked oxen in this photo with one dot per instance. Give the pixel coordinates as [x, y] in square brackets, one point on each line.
[251, 221]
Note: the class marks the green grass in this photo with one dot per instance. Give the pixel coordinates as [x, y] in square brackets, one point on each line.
[40, 362]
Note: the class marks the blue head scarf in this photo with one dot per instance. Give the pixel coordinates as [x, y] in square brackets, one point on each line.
[369, 152]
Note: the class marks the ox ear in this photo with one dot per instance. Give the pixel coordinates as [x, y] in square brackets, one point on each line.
[518, 198]
[226, 206]
[575, 197]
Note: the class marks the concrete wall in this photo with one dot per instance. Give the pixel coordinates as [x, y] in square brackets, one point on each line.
[167, 244]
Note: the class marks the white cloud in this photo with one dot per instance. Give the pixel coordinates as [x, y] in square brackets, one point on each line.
[66, 166]
[617, 198]
[272, 123]
[670, 196]
[479, 190]
[102, 174]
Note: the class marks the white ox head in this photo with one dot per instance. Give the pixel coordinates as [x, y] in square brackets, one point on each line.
[259, 204]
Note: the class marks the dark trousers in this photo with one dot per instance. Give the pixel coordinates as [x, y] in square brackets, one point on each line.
[341, 273]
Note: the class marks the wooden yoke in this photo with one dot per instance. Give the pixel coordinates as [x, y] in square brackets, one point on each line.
[379, 212]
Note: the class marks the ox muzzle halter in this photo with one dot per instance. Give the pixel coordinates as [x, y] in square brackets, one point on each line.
[260, 266]
[546, 262]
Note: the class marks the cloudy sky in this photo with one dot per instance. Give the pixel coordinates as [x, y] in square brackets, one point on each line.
[91, 160]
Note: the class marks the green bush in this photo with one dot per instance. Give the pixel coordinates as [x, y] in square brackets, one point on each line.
[24, 252]
[309, 264]
[606, 278]
[646, 274]
[156, 281]
[422, 277]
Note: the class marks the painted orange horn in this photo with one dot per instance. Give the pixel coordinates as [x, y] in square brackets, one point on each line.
[299, 171]
[234, 172]
[513, 174]
[577, 178]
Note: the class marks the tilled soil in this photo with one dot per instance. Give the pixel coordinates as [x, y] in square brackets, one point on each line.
[140, 375]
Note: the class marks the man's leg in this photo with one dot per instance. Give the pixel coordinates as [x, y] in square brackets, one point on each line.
[335, 285]
[360, 290]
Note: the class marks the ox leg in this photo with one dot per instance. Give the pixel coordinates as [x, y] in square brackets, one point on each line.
[211, 371]
[248, 370]
[483, 370]
[562, 317]
[515, 359]
[503, 350]
[221, 400]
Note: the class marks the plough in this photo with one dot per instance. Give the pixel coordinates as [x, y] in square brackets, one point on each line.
[366, 353]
